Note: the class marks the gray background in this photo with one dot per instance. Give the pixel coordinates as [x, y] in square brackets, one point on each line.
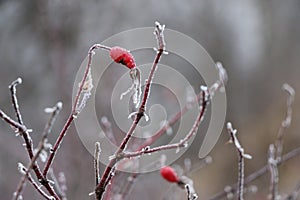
[44, 42]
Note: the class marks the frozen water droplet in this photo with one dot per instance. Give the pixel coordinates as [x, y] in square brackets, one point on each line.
[21, 168]
[43, 156]
[185, 144]
[187, 164]
[177, 149]
[227, 188]
[49, 110]
[111, 157]
[91, 193]
[208, 159]
[146, 148]
[247, 156]
[132, 114]
[146, 117]
[130, 179]
[169, 131]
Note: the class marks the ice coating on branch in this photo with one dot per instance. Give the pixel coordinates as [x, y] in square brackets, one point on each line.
[86, 92]
[135, 87]
[21, 168]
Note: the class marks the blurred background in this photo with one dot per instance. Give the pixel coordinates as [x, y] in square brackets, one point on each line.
[45, 42]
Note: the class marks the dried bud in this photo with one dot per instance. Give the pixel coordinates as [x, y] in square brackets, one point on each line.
[121, 55]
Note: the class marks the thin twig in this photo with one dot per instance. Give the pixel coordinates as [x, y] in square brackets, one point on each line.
[287, 120]
[273, 168]
[47, 130]
[77, 106]
[182, 142]
[61, 193]
[22, 130]
[218, 85]
[14, 99]
[233, 138]
[107, 129]
[275, 151]
[295, 193]
[22, 169]
[190, 195]
[257, 174]
[96, 162]
[107, 172]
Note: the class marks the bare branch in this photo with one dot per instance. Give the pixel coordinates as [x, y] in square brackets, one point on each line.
[47, 130]
[257, 174]
[83, 91]
[285, 122]
[59, 188]
[22, 169]
[295, 193]
[182, 142]
[272, 163]
[233, 138]
[96, 162]
[24, 132]
[14, 99]
[190, 195]
[107, 172]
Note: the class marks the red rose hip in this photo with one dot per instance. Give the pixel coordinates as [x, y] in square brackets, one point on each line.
[121, 55]
[169, 174]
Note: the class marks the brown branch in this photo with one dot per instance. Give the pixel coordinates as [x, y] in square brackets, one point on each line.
[22, 130]
[14, 99]
[77, 106]
[96, 162]
[182, 142]
[58, 187]
[23, 171]
[141, 112]
[218, 85]
[40, 147]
